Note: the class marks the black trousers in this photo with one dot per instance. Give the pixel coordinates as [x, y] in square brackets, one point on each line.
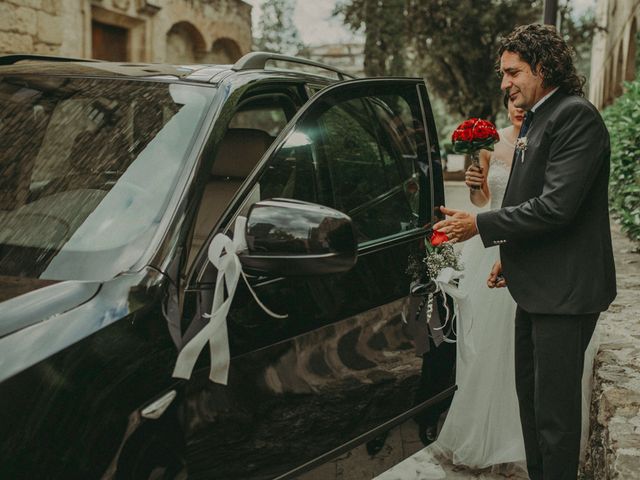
[549, 353]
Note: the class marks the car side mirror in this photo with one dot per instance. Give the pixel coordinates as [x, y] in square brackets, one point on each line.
[289, 237]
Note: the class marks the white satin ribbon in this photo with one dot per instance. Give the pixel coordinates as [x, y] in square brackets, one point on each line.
[223, 254]
[463, 310]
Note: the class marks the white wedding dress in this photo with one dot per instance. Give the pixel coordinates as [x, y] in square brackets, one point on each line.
[482, 428]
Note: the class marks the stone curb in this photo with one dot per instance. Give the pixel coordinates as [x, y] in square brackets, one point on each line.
[613, 451]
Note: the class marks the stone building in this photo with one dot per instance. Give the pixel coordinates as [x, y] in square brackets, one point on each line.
[614, 52]
[348, 57]
[172, 31]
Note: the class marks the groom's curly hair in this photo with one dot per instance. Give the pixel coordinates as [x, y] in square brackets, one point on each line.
[541, 46]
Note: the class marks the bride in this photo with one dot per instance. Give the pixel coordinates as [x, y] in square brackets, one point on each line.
[482, 427]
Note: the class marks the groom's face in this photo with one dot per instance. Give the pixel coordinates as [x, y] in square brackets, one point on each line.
[524, 86]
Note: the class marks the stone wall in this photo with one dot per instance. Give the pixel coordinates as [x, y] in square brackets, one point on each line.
[216, 25]
[348, 57]
[31, 26]
[614, 442]
[180, 31]
[614, 49]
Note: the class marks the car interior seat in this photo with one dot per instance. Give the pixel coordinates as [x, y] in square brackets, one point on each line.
[238, 153]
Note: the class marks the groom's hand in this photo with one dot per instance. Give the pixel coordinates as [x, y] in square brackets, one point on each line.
[496, 280]
[459, 227]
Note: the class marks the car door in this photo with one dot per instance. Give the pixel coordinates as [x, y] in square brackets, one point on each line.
[342, 364]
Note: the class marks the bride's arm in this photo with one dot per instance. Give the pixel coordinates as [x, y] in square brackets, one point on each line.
[481, 196]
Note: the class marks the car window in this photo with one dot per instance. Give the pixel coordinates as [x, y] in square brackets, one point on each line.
[87, 167]
[359, 155]
[267, 112]
[366, 169]
[255, 123]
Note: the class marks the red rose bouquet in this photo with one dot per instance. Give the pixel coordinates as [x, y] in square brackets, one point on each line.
[474, 135]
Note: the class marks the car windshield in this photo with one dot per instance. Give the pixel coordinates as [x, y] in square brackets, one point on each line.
[87, 168]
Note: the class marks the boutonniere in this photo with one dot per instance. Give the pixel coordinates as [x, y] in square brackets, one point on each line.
[521, 147]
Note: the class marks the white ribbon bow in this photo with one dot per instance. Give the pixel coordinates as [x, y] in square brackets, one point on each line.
[462, 307]
[223, 254]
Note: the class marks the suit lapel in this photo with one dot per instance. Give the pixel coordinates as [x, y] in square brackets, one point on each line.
[513, 167]
[541, 122]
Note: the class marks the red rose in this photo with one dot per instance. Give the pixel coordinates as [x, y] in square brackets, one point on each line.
[457, 134]
[468, 123]
[481, 133]
[484, 130]
[468, 136]
[438, 238]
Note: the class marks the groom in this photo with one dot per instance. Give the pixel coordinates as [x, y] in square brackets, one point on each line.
[555, 242]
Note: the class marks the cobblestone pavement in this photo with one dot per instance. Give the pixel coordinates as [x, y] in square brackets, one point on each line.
[614, 442]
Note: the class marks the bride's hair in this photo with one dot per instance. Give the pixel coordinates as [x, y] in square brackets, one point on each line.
[542, 46]
[505, 100]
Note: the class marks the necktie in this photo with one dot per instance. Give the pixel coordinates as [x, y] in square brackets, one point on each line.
[528, 117]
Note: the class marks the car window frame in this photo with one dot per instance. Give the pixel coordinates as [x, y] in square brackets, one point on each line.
[244, 88]
[238, 204]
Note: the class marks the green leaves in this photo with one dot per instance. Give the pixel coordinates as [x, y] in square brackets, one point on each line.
[622, 119]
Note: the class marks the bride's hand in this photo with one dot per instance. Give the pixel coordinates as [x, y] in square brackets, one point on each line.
[474, 177]
[496, 280]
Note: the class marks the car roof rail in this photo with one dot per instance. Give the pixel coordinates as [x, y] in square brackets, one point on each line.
[258, 60]
[15, 58]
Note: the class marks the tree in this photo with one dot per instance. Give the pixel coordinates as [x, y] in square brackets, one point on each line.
[276, 30]
[383, 22]
[578, 32]
[456, 43]
[453, 43]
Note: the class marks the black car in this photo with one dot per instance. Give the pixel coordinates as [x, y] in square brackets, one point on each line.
[114, 181]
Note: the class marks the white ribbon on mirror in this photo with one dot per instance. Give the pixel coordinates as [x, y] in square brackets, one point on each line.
[223, 254]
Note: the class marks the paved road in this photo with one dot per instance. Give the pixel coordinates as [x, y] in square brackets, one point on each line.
[457, 196]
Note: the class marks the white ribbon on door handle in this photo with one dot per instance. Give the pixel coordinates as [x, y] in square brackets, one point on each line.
[223, 254]
[462, 307]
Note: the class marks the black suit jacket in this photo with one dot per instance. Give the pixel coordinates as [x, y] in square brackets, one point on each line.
[553, 227]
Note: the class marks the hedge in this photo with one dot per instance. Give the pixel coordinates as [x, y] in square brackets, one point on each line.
[623, 120]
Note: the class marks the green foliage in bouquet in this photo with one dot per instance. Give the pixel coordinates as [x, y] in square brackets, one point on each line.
[622, 119]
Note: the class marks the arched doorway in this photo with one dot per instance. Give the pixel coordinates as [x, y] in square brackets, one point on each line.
[225, 50]
[185, 44]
